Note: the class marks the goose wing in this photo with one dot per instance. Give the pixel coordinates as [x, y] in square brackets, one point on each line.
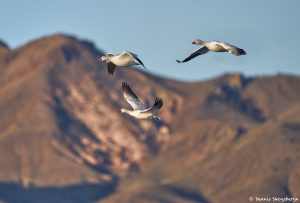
[202, 50]
[111, 68]
[232, 49]
[133, 55]
[157, 105]
[131, 97]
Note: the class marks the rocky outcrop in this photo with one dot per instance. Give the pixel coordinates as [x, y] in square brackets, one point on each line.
[62, 93]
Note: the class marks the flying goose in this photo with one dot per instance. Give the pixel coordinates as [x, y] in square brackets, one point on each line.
[125, 59]
[139, 111]
[214, 46]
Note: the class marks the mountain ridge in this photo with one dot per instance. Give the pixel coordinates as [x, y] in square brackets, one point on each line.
[61, 127]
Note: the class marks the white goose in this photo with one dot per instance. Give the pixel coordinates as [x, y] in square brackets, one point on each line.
[214, 46]
[125, 59]
[139, 111]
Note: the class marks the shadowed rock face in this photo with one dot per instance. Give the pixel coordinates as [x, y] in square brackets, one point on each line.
[54, 89]
[3, 45]
[232, 97]
[14, 193]
[61, 131]
[4, 50]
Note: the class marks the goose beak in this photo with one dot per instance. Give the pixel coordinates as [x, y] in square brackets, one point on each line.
[193, 42]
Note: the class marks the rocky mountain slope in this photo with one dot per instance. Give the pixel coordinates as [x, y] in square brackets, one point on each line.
[239, 140]
[63, 138]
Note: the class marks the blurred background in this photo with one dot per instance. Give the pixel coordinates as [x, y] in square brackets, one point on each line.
[230, 125]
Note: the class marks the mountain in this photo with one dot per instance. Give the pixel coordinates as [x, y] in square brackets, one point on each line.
[4, 49]
[63, 138]
[238, 138]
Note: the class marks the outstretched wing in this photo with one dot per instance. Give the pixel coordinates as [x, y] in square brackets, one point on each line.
[131, 98]
[202, 50]
[111, 68]
[136, 58]
[157, 105]
[232, 49]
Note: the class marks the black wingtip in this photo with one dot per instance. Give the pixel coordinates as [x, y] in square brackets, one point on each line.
[110, 72]
[126, 89]
[143, 66]
[125, 85]
[242, 52]
[178, 61]
[158, 102]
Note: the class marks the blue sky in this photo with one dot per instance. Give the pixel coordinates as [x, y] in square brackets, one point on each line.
[162, 31]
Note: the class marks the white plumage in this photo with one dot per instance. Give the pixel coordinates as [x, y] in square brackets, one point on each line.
[215, 46]
[139, 111]
[125, 59]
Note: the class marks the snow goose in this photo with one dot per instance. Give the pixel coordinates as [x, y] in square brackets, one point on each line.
[215, 46]
[139, 111]
[125, 59]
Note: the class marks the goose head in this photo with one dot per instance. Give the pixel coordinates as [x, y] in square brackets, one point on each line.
[107, 57]
[122, 110]
[198, 42]
[103, 58]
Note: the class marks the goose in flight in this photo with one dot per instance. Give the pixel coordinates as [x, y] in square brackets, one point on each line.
[125, 59]
[139, 111]
[214, 46]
